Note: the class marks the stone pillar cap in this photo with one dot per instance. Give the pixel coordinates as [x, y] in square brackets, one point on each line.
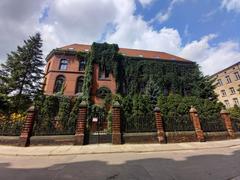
[193, 110]
[156, 109]
[116, 104]
[224, 111]
[83, 104]
[31, 108]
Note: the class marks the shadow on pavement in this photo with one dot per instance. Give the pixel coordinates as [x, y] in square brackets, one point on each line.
[216, 167]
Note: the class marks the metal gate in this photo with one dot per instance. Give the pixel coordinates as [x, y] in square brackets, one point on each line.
[98, 131]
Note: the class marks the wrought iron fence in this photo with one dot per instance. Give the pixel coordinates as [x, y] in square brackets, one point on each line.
[140, 123]
[236, 124]
[53, 127]
[212, 123]
[11, 128]
[173, 123]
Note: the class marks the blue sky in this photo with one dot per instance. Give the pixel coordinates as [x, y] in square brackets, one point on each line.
[204, 31]
[195, 18]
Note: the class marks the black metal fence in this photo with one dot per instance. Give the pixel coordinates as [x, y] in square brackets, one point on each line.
[11, 128]
[213, 123]
[173, 123]
[140, 123]
[236, 124]
[53, 127]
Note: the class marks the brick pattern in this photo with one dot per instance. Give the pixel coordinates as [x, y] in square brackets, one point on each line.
[228, 123]
[80, 126]
[24, 139]
[196, 123]
[179, 137]
[116, 125]
[159, 124]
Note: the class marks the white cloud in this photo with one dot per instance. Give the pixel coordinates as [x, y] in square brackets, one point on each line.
[145, 2]
[212, 58]
[74, 21]
[18, 19]
[231, 5]
[164, 16]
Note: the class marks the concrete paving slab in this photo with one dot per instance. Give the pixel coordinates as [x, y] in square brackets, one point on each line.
[109, 148]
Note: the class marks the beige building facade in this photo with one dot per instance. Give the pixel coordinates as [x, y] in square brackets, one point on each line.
[227, 83]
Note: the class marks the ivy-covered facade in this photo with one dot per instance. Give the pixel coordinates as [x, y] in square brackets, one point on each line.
[97, 70]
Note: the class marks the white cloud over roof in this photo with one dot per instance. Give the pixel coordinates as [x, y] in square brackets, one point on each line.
[115, 21]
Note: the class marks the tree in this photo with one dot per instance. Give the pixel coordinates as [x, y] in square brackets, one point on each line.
[152, 90]
[22, 73]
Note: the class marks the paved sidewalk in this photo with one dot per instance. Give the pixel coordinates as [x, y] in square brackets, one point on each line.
[109, 148]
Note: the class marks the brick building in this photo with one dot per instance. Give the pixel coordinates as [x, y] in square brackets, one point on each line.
[64, 67]
[227, 85]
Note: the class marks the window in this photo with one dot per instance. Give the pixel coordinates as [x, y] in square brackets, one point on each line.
[59, 83]
[81, 65]
[226, 102]
[220, 82]
[103, 74]
[237, 75]
[223, 93]
[235, 100]
[232, 90]
[79, 84]
[228, 79]
[63, 64]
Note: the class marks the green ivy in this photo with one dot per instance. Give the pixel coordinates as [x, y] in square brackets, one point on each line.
[64, 110]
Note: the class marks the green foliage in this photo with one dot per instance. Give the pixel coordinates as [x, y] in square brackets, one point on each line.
[170, 77]
[4, 104]
[22, 73]
[87, 83]
[82, 55]
[102, 92]
[234, 112]
[98, 111]
[109, 120]
[136, 106]
[47, 112]
[176, 104]
[64, 110]
[152, 90]
[105, 55]
[74, 113]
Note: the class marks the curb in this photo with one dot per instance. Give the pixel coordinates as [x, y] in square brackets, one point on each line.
[51, 152]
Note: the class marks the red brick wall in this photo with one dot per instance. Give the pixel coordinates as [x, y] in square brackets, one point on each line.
[71, 75]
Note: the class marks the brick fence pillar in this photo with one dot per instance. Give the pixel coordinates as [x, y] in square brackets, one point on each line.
[116, 124]
[81, 124]
[196, 123]
[159, 125]
[26, 132]
[227, 122]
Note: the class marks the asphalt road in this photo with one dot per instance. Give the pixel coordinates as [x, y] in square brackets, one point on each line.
[216, 164]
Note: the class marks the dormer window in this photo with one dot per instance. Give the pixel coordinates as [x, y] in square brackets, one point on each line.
[63, 64]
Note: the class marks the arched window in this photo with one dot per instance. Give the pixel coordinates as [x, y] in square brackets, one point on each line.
[59, 83]
[82, 65]
[63, 64]
[79, 84]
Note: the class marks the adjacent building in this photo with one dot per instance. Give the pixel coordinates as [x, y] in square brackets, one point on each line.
[227, 83]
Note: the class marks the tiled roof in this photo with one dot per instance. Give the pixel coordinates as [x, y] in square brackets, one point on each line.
[131, 52]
